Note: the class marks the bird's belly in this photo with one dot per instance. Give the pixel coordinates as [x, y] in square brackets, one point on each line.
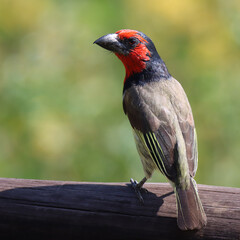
[148, 164]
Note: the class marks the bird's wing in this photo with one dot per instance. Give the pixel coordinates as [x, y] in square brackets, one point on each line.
[161, 127]
[185, 119]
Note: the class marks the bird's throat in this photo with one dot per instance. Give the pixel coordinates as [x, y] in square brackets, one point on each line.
[132, 66]
[135, 61]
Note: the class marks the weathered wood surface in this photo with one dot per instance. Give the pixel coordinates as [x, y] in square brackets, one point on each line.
[36, 209]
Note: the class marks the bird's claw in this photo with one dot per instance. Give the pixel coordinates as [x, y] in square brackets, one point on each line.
[137, 190]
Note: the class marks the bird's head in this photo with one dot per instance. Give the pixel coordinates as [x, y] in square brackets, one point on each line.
[133, 48]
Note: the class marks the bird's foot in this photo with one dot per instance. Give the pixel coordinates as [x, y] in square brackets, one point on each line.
[137, 188]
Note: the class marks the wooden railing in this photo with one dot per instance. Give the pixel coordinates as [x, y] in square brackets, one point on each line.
[40, 209]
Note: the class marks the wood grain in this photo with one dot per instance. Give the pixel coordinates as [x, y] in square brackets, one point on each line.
[40, 209]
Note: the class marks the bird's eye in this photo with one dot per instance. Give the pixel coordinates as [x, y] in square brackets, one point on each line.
[131, 40]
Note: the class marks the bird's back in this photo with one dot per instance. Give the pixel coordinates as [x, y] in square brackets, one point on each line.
[162, 107]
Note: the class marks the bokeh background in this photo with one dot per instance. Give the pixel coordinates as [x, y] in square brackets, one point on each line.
[61, 96]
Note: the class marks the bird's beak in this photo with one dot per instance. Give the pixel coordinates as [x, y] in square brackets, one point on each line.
[111, 43]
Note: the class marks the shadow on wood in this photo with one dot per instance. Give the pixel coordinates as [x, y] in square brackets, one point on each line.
[35, 209]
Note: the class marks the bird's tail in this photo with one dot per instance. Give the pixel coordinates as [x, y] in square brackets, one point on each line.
[191, 214]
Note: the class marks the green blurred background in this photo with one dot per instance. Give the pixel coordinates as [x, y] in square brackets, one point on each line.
[61, 96]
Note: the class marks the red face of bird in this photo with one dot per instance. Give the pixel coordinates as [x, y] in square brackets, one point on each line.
[133, 48]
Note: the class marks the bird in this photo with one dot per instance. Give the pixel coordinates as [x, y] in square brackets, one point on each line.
[162, 122]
